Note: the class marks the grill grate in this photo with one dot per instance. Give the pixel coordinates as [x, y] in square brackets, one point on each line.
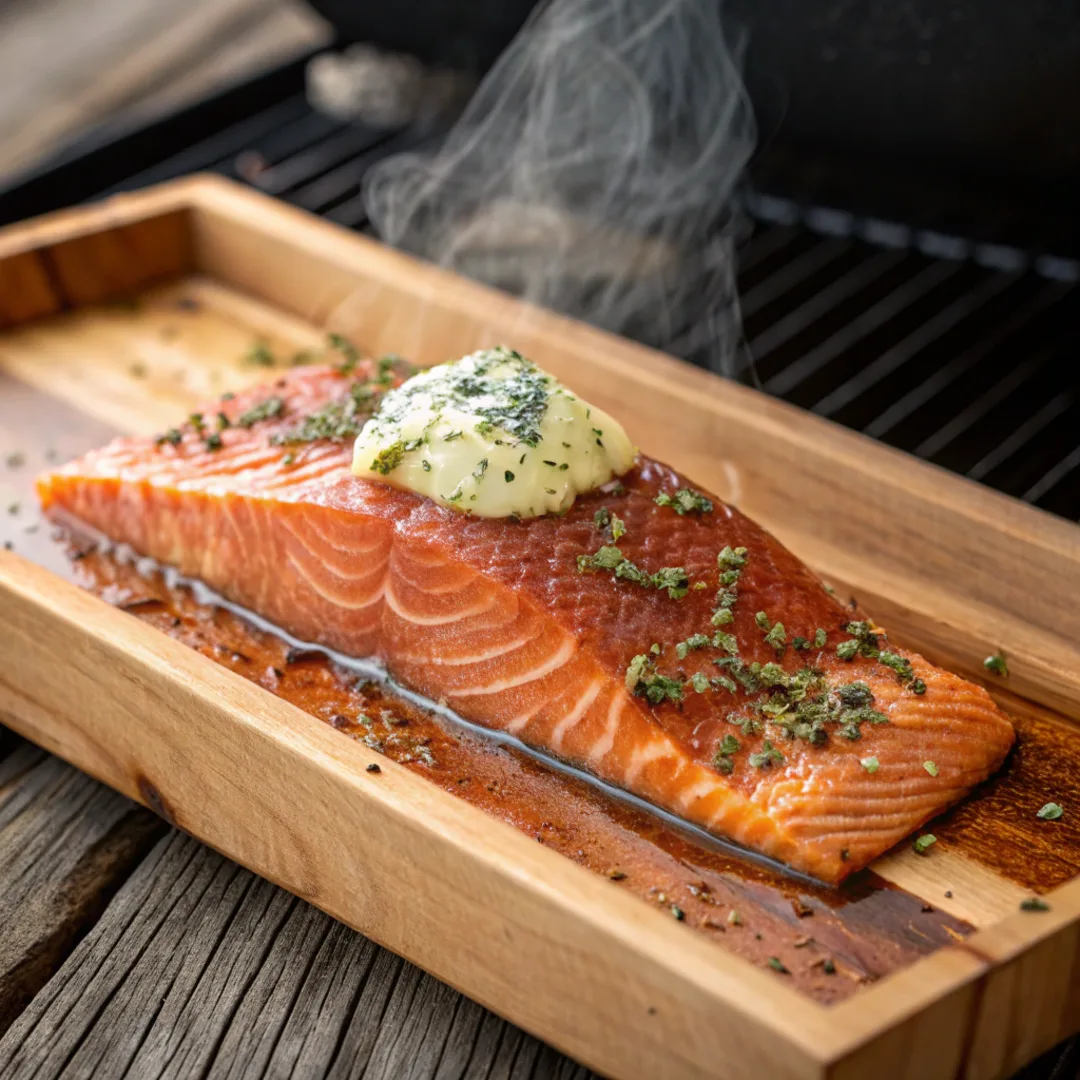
[961, 353]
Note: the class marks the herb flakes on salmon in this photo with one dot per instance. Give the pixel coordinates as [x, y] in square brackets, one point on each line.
[689, 659]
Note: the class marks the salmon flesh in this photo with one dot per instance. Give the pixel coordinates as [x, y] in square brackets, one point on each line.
[670, 648]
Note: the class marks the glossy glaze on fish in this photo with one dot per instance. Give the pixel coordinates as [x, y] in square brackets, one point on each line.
[498, 619]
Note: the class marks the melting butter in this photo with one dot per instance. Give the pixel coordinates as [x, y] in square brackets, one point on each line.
[492, 435]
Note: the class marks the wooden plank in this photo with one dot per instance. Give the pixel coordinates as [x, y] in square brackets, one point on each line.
[198, 968]
[66, 843]
[936, 546]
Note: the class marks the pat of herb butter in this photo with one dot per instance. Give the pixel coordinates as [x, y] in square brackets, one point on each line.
[491, 435]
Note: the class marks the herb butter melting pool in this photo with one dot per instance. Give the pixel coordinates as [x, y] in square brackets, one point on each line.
[492, 435]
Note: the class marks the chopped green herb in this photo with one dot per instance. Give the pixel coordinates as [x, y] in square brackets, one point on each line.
[727, 642]
[677, 912]
[728, 745]
[997, 664]
[1034, 903]
[606, 558]
[731, 558]
[265, 410]
[288, 459]
[213, 441]
[685, 501]
[223, 421]
[776, 637]
[776, 965]
[819, 639]
[481, 468]
[829, 967]
[846, 650]
[930, 767]
[347, 350]
[763, 621]
[902, 666]
[870, 764]
[260, 355]
[172, 437]
[734, 918]
[644, 681]
[672, 578]
[699, 682]
[1050, 812]
[617, 875]
[508, 476]
[722, 682]
[694, 641]
[923, 844]
[768, 755]
[389, 458]
[618, 528]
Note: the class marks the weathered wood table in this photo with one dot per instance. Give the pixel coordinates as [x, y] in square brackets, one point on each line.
[130, 949]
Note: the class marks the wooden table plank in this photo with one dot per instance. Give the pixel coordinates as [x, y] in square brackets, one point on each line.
[66, 843]
[198, 967]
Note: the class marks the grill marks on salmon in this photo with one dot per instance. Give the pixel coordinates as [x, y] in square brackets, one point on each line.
[495, 618]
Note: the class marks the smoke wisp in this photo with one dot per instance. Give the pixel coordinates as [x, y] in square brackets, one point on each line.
[592, 173]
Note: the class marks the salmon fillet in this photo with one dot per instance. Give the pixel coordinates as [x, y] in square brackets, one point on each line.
[814, 742]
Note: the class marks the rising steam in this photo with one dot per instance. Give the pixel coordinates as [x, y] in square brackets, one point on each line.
[592, 173]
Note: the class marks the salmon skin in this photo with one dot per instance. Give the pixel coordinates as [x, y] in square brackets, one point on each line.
[673, 647]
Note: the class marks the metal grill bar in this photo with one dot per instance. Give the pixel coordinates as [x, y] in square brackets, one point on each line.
[961, 364]
[893, 359]
[1020, 437]
[932, 277]
[982, 406]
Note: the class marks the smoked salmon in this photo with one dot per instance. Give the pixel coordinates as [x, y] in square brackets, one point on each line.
[651, 635]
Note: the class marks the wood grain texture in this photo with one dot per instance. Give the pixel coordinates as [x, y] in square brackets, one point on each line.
[66, 844]
[198, 968]
[953, 568]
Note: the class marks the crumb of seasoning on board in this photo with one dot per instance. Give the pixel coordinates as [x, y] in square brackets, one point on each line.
[924, 843]
[373, 767]
[617, 875]
[15, 459]
[1051, 811]
[13, 508]
[997, 664]
[1034, 903]
[260, 355]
